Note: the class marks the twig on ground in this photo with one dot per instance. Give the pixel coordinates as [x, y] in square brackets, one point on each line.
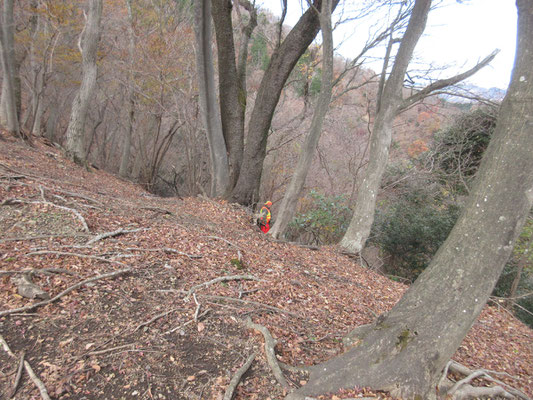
[166, 250]
[17, 378]
[225, 240]
[157, 209]
[28, 238]
[198, 306]
[99, 352]
[228, 395]
[164, 314]
[188, 322]
[29, 370]
[72, 210]
[44, 271]
[65, 292]
[254, 303]
[221, 279]
[64, 253]
[270, 344]
[105, 235]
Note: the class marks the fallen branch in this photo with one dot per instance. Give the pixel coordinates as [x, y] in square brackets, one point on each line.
[157, 209]
[166, 250]
[17, 378]
[228, 395]
[65, 292]
[105, 235]
[221, 279]
[270, 344]
[253, 303]
[64, 253]
[29, 370]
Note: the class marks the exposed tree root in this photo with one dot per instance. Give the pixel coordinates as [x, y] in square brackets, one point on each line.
[32, 307]
[270, 344]
[228, 395]
[462, 390]
[35, 379]
[17, 378]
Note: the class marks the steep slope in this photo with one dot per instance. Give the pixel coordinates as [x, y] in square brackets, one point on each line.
[152, 332]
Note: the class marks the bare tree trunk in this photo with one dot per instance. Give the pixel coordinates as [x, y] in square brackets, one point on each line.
[282, 62]
[88, 44]
[7, 55]
[391, 104]
[126, 149]
[290, 200]
[405, 350]
[232, 95]
[208, 104]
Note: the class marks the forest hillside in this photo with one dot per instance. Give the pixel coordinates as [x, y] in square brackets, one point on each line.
[143, 297]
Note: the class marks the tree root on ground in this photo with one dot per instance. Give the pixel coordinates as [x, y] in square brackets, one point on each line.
[35, 379]
[270, 344]
[234, 382]
[462, 390]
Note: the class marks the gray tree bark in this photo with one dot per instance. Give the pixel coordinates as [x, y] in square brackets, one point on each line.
[88, 44]
[208, 102]
[391, 104]
[282, 62]
[126, 149]
[290, 200]
[232, 94]
[7, 56]
[405, 350]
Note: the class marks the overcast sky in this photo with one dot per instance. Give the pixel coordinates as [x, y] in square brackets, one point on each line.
[456, 34]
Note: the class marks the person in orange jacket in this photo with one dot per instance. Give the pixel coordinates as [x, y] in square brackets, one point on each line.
[264, 217]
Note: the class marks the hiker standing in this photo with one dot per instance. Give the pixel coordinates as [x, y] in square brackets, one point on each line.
[264, 216]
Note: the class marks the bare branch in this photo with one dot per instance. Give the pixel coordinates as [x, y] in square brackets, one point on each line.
[442, 83]
[221, 279]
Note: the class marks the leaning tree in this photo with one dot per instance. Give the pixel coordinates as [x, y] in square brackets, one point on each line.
[405, 350]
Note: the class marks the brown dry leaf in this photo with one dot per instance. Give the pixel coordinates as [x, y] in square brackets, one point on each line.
[201, 326]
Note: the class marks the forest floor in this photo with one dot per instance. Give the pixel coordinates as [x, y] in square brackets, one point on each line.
[148, 332]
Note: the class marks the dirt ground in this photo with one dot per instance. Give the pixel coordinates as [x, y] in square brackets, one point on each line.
[149, 332]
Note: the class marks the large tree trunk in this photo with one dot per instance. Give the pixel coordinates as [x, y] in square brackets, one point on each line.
[290, 200]
[232, 99]
[359, 227]
[7, 56]
[405, 350]
[390, 104]
[129, 97]
[208, 104]
[88, 46]
[281, 64]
